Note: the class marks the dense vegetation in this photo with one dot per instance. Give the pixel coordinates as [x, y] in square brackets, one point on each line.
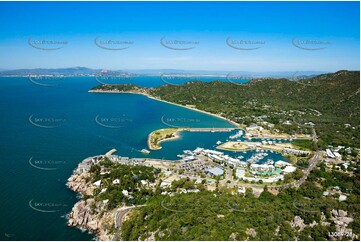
[206, 216]
[330, 101]
[129, 178]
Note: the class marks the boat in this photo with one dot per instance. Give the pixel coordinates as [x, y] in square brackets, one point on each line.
[145, 151]
[188, 152]
[219, 142]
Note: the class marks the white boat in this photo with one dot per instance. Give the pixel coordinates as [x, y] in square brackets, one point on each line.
[145, 151]
[188, 152]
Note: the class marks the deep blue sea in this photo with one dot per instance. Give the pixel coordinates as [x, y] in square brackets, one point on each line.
[47, 130]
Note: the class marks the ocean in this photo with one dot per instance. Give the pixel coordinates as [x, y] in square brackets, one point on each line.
[46, 130]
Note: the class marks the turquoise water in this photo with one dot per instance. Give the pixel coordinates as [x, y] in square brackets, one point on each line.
[47, 131]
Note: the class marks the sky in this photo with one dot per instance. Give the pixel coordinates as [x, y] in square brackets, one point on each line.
[223, 36]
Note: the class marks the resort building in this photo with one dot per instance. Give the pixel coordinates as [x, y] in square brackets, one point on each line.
[296, 152]
[289, 169]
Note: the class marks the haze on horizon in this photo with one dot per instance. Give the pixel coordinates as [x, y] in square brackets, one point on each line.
[210, 26]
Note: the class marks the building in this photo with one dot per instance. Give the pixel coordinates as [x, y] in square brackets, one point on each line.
[329, 153]
[263, 167]
[165, 184]
[281, 163]
[97, 183]
[125, 193]
[342, 198]
[216, 171]
[241, 190]
[337, 155]
[287, 122]
[254, 127]
[295, 152]
[289, 169]
[240, 173]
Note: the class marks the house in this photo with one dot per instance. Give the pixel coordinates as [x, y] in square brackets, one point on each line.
[329, 153]
[287, 122]
[342, 198]
[242, 190]
[125, 193]
[116, 181]
[326, 193]
[165, 184]
[337, 155]
[105, 202]
[97, 183]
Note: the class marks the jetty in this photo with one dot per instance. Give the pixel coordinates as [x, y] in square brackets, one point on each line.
[207, 129]
[110, 152]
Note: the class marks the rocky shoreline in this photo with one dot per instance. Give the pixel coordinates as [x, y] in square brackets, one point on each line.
[87, 214]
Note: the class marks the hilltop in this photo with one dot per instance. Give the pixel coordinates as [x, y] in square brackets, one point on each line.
[329, 102]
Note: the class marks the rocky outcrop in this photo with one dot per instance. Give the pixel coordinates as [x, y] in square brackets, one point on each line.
[298, 223]
[78, 183]
[85, 213]
[82, 215]
[252, 232]
[339, 217]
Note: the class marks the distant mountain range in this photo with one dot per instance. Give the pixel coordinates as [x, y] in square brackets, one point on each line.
[84, 71]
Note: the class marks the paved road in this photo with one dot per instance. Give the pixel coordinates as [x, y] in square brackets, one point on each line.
[119, 216]
[312, 163]
[121, 213]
